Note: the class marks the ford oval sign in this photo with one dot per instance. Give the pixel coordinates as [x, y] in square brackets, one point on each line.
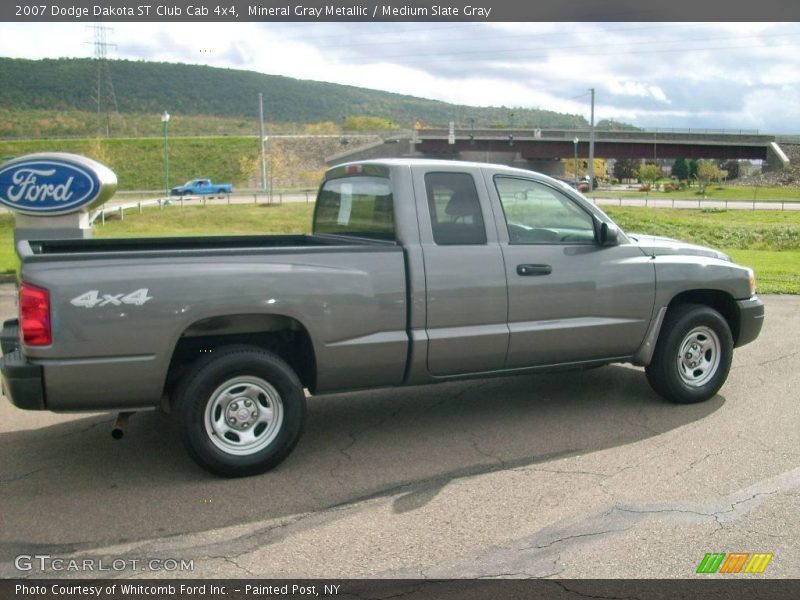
[54, 184]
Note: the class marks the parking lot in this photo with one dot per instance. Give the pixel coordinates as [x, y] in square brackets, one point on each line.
[571, 475]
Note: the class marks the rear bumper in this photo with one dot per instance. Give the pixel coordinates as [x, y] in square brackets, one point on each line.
[751, 319]
[23, 382]
[9, 337]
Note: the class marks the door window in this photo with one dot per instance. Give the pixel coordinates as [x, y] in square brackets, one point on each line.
[539, 214]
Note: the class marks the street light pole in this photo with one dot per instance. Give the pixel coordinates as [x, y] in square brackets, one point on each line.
[165, 121]
[575, 164]
[591, 145]
[263, 139]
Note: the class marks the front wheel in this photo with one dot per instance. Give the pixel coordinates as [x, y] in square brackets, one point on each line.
[693, 354]
[240, 411]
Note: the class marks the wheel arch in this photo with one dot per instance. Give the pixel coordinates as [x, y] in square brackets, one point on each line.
[284, 335]
[719, 300]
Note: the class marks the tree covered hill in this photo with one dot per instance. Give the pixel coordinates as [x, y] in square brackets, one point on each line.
[148, 88]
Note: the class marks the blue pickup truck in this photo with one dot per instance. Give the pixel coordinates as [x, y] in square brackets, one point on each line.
[201, 187]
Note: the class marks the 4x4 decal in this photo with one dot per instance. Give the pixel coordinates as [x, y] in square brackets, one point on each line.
[93, 298]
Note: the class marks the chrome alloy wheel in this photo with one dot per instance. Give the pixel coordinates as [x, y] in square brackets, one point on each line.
[699, 356]
[244, 415]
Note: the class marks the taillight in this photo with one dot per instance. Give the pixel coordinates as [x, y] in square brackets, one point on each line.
[34, 315]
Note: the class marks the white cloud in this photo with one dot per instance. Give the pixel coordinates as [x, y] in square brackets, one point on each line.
[635, 88]
[665, 74]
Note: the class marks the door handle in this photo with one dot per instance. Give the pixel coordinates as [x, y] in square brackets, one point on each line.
[533, 270]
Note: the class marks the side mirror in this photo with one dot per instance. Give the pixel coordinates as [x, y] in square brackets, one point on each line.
[609, 234]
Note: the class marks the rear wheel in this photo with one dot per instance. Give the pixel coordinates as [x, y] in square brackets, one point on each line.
[693, 354]
[240, 411]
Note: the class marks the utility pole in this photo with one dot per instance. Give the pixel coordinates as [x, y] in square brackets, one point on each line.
[591, 145]
[105, 99]
[261, 141]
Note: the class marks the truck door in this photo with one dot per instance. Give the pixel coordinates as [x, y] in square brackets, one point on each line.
[466, 293]
[570, 299]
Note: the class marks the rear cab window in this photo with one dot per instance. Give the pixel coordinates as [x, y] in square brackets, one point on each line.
[455, 209]
[359, 205]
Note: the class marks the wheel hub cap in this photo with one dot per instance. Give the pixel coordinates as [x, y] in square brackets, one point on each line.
[243, 415]
[699, 356]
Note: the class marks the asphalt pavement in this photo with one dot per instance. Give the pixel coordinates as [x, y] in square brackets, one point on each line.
[578, 475]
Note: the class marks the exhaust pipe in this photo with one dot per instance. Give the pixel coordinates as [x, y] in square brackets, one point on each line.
[120, 424]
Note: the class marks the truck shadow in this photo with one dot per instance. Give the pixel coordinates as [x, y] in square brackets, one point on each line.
[406, 443]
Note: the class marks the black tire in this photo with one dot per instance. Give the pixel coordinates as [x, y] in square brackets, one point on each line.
[211, 390]
[671, 373]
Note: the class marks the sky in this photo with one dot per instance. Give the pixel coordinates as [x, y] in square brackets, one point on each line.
[738, 76]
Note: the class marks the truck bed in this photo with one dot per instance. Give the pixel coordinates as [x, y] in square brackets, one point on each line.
[346, 295]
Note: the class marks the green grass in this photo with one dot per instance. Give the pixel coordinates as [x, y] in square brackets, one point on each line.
[138, 162]
[211, 220]
[17, 122]
[767, 241]
[740, 229]
[713, 192]
[776, 272]
[8, 258]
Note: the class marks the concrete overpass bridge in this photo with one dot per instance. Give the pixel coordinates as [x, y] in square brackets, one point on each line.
[543, 149]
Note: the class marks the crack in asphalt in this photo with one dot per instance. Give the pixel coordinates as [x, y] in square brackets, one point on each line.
[233, 562]
[771, 535]
[779, 358]
[475, 443]
[566, 472]
[19, 476]
[354, 435]
[603, 524]
[714, 514]
[572, 537]
[696, 462]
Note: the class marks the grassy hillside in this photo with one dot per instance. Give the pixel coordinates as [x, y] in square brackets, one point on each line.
[65, 87]
[48, 123]
[138, 163]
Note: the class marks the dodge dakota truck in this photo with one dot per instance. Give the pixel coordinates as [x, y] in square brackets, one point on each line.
[201, 187]
[416, 272]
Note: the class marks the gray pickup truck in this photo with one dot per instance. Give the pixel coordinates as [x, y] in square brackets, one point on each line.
[417, 271]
